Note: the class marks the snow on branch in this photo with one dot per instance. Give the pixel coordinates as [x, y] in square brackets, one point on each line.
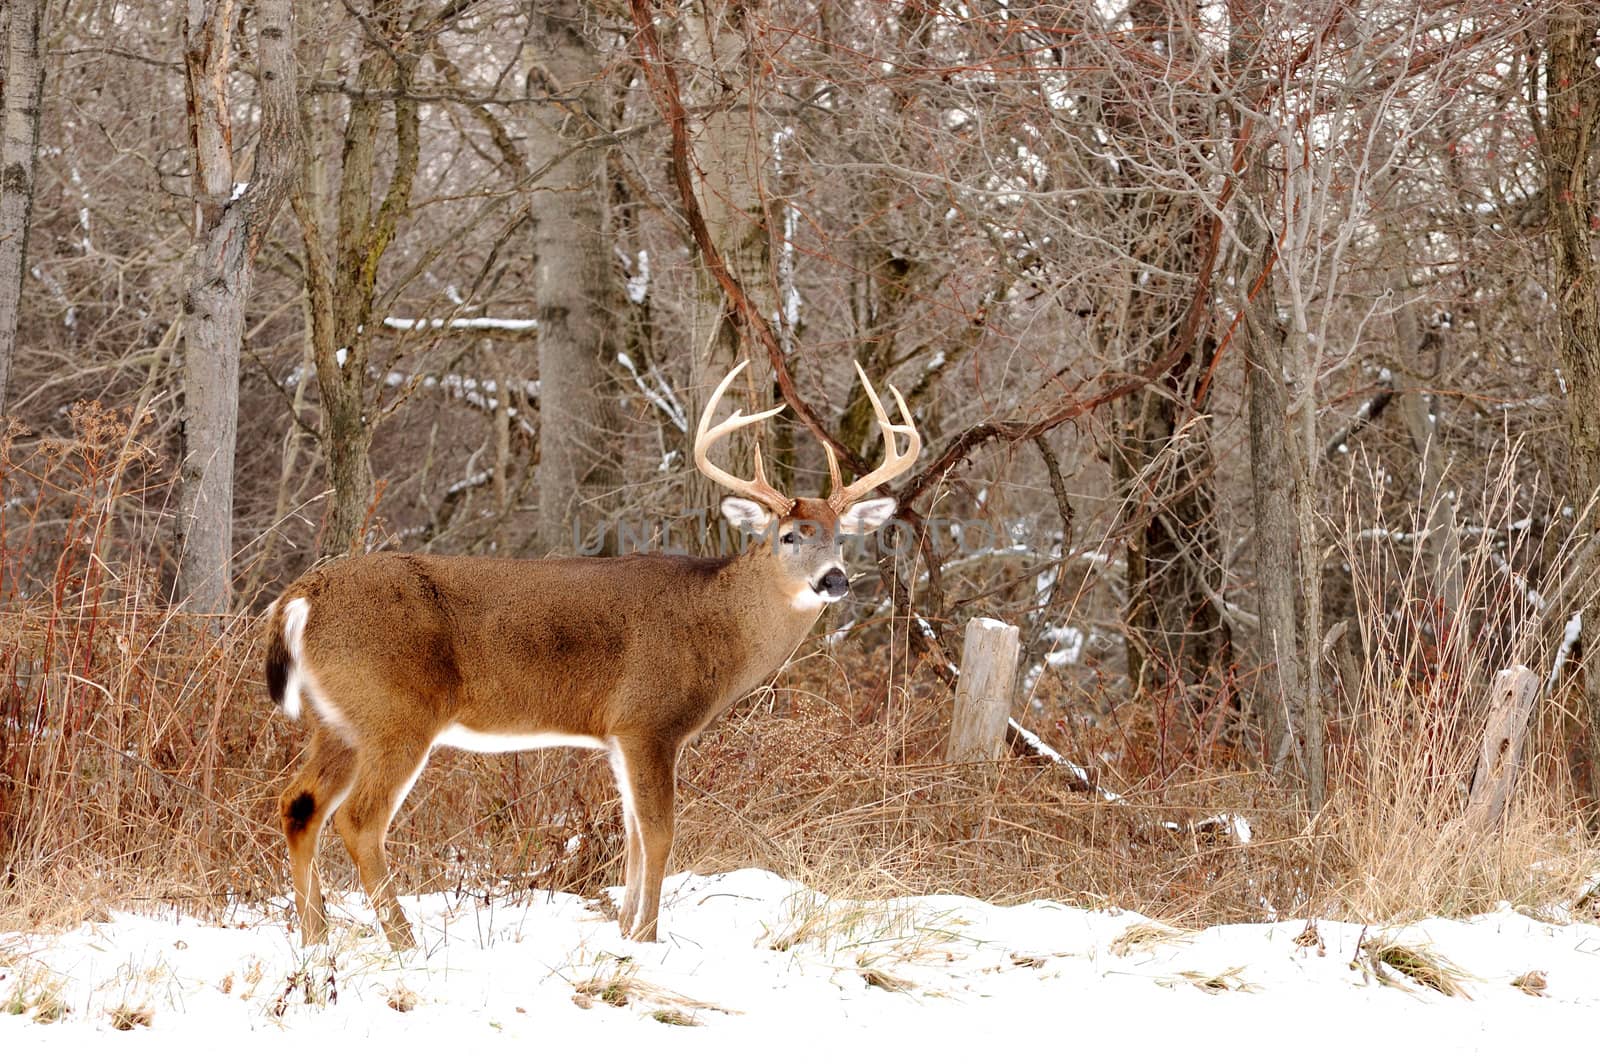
[482, 394]
[1569, 639]
[659, 394]
[1037, 747]
[463, 324]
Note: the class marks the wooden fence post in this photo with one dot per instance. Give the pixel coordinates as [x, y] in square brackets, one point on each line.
[1510, 704]
[983, 694]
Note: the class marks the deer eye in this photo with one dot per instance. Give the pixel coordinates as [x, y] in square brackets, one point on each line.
[789, 537]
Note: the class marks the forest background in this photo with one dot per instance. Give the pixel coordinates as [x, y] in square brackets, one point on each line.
[1255, 348]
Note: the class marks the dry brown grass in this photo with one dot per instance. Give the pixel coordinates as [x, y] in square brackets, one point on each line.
[140, 762]
[1212, 983]
[1414, 701]
[1384, 959]
[1398, 834]
[615, 981]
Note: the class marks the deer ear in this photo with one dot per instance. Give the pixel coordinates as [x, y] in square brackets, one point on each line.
[747, 515]
[868, 515]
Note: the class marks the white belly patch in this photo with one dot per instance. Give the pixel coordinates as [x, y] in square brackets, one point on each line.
[464, 738]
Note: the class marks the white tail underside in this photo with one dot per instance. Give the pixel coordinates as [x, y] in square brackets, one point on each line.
[301, 681]
[295, 612]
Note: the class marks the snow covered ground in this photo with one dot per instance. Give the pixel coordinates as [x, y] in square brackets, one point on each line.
[753, 964]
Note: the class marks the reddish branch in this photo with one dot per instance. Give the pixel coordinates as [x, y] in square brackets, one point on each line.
[662, 76]
[1017, 430]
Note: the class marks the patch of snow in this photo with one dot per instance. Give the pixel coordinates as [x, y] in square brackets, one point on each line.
[1067, 643]
[639, 279]
[656, 391]
[1569, 639]
[1232, 823]
[769, 969]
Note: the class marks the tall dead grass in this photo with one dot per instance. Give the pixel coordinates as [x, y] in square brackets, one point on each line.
[140, 762]
[1435, 619]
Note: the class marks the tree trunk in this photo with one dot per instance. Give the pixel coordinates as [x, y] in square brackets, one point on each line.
[228, 231]
[1282, 404]
[341, 287]
[579, 471]
[1280, 697]
[1304, 455]
[732, 153]
[1441, 541]
[1178, 640]
[1567, 129]
[22, 78]
[1288, 562]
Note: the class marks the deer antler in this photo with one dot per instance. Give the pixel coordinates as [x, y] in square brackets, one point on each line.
[894, 461]
[757, 487]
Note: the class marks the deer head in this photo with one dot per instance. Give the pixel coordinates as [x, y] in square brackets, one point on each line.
[807, 539]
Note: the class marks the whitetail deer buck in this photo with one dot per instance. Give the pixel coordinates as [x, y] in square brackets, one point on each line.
[399, 653]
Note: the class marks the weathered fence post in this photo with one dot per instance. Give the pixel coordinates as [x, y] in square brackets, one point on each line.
[1510, 705]
[983, 694]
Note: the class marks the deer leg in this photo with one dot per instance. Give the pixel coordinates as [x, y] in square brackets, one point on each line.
[651, 770]
[633, 849]
[316, 791]
[383, 779]
[633, 877]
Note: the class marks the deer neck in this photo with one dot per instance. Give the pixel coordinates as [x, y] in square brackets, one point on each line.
[773, 613]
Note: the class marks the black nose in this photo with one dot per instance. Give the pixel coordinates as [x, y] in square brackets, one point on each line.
[834, 583]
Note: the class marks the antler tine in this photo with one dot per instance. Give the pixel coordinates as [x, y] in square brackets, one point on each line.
[757, 487]
[835, 479]
[895, 461]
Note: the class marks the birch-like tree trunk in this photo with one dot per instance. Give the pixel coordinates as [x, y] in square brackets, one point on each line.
[230, 222]
[22, 78]
[1568, 123]
[578, 468]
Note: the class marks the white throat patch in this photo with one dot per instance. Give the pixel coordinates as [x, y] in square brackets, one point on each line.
[807, 599]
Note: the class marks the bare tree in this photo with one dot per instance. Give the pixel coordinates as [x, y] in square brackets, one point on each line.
[1281, 709]
[230, 222]
[1566, 116]
[342, 271]
[732, 159]
[572, 244]
[21, 95]
[1179, 641]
